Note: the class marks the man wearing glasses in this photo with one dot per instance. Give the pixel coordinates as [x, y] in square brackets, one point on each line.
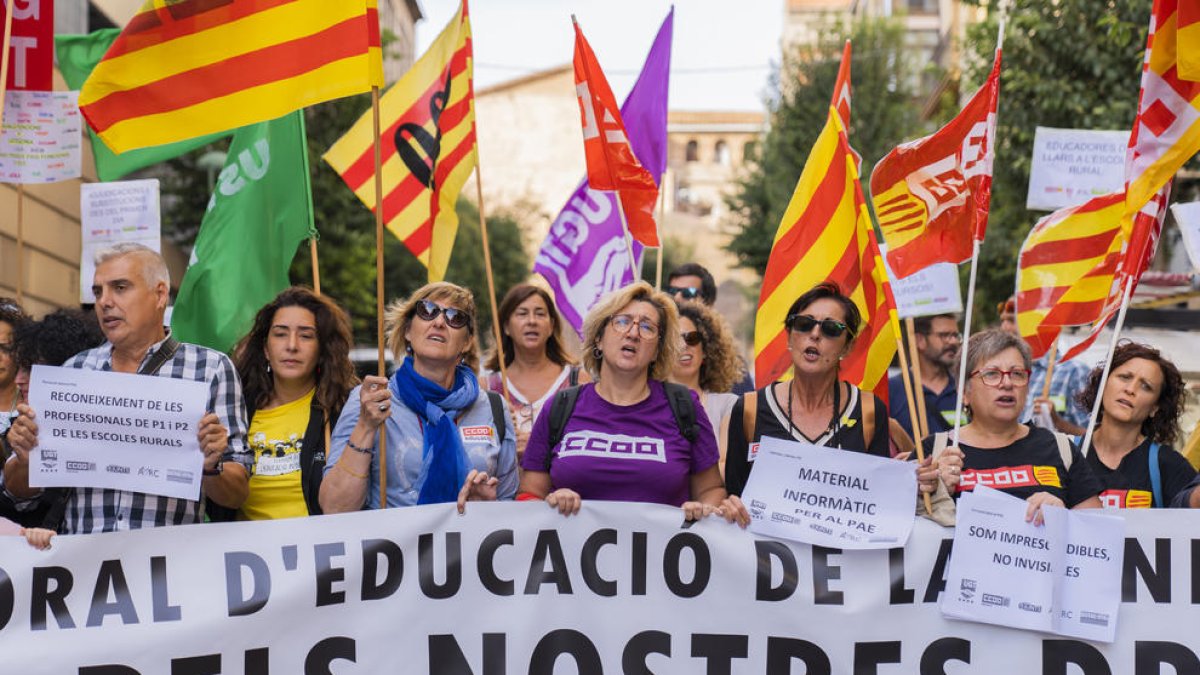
[938, 343]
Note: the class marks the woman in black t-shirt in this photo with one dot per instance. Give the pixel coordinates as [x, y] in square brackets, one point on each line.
[996, 450]
[816, 406]
[1139, 416]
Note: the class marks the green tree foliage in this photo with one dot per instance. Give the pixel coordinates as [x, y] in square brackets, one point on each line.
[1070, 64]
[885, 112]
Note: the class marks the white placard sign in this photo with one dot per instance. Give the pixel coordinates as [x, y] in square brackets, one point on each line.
[1187, 217]
[1071, 166]
[933, 290]
[827, 497]
[116, 430]
[1062, 577]
[41, 138]
[112, 213]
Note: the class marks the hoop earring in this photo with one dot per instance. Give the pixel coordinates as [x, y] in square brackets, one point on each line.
[597, 354]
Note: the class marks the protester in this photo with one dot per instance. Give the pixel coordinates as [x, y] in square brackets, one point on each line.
[296, 374]
[11, 318]
[1131, 451]
[996, 449]
[132, 285]
[51, 341]
[444, 433]
[693, 281]
[708, 365]
[37, 537]
[1068, 380]
[535, 360]
[938, 341]
[631, 343]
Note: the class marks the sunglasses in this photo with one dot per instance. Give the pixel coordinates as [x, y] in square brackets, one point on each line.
[693, 338]
[802, 323]
[428, 310]
[687, 292]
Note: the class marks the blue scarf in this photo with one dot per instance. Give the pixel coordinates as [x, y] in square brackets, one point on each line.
[444, 464]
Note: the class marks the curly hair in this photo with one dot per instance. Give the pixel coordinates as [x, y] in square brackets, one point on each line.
[721, 368]
[335, 375]
[554, 346]
[1163, 426]
[60, 335]
[668, 327]
[399, 316]
[12, 314]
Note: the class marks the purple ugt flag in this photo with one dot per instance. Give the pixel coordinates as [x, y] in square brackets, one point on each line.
[584, 254]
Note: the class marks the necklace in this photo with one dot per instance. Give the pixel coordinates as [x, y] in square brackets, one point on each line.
[833, 421]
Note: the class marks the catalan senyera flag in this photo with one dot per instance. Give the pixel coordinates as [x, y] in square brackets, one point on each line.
[1166, 132]
[932, 195]
[187, 68]
[826, 235]
[1073, 248]
[428, 131]
[1188, 40]
[611, 163]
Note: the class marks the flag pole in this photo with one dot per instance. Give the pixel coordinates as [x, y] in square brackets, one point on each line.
[918, 382]
[491, 284]
[628, 237]
[383, 466]
[8, 19]
[1112, 347]
[662, 210]
[962, 361]
[906, 378]
[1051, 359]
[21, 244]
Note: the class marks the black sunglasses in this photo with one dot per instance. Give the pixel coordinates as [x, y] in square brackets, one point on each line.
[687, 292]
[693, 338]
[829, 328]
[428, 310]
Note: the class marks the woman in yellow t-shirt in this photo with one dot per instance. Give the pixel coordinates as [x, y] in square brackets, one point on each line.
[296, 373]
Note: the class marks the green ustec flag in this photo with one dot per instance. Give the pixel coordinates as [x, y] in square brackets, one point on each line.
[260, 211]
[77, 56]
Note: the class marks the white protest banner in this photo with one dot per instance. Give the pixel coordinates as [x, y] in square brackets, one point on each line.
[511, 589]
[116, 430]
[1063, 577]
[113, 213]
[41, 139]
[933, 290]
[1187, 217]
[1070, 166]
[829, 497]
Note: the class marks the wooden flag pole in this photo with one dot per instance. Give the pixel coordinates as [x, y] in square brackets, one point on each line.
[962, 362]
[911, 408]
[20, 244]
[1051, 359]
[491, 284]
[1112, 347]
[918, 381]
[906, 378]
[8, 19]
[382, 453]
[316, 268]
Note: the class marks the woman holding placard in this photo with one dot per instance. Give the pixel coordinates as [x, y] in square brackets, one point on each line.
[1131, 449]
[296, 373]
[996, 450]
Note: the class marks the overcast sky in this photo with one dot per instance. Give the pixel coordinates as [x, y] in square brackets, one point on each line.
[721, 58]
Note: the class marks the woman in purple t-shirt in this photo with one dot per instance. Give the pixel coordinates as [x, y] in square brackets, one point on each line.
[623, 440]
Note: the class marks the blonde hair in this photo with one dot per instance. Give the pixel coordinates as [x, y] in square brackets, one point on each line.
[721, 368]
[668, 327]
[399, 315]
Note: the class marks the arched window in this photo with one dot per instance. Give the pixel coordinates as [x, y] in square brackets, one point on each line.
[721, 150]
[692, 154]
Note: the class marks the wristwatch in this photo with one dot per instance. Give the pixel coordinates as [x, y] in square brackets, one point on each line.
[216, 470]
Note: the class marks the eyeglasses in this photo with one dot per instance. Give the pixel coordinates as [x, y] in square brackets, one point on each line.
[428, 310]
[948, 336]
[625, 322]
[688, 292]
[803, 323]
[693, 338]
[992, 377]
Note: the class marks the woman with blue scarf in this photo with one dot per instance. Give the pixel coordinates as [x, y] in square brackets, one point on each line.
[442, 436]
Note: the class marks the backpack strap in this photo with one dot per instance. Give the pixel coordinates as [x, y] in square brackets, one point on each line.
[749, 414]
[165, 351]
[573, 377]
[868, 417]
[680, 399]
[498, 416]
[560, 411]
[1064, 449]
[1155, 476]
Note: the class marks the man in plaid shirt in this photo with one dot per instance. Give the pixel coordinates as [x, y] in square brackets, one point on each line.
[132, 286]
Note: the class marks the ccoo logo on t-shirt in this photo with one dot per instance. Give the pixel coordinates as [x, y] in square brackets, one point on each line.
[616, 446]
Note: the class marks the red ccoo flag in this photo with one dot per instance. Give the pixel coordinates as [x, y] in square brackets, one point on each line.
[611, 164]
